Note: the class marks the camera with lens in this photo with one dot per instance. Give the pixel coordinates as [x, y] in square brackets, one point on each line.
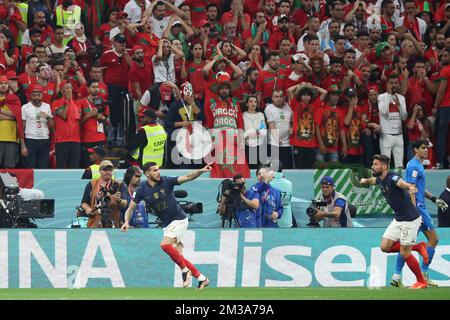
[213, 33]
[107, 192]
[104, 204]
[312, 210]
[99, 104]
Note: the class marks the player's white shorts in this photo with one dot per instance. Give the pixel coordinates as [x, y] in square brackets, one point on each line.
[176, 229]
[405, 231]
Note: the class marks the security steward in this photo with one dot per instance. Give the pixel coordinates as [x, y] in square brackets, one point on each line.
[103, 198]
[149, 143]
[96, 155]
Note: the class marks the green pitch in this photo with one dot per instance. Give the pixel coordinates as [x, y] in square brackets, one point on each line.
[228, 294]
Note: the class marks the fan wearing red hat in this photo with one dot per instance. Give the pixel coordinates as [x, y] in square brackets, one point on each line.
[38, 120]
[67, 115]
[11, 128]
[13, 86]
[225, 118]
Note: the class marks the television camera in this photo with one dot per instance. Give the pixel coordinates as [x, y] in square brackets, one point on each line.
[312, 210]
[232, 193]
[15, 212]
[189, 207]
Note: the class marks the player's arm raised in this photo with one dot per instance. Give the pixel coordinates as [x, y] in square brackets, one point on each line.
[194, 174]
[368, 181]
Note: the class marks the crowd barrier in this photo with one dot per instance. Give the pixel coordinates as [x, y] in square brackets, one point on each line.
[68, 258]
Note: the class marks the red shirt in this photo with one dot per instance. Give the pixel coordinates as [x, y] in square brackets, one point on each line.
[285, 64]
[47, 34]
[103, 35]
[103, 91]
[92, 130]
[373, 114]
[268, 81]
[48, 93]
[331, 122]
[277, 36]
[289, 82]
[414, 133]
[142, 75]
[67, 130]
[25, 80]
[445, 74]
[148, 42]
[116, 71]
[304, 119]
[223, 115]
[15, 56]
[418, 91]
[25, 52]
[196, 78]
[300, 16]
[10, 23]
[331, 79]
[354, 132]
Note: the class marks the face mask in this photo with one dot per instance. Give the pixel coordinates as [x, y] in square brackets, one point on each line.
[187, 89]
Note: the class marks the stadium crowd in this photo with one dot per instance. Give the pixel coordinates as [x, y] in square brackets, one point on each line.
[315, 80]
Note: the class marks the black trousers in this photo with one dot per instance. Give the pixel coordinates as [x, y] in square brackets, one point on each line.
[304, 158]
[284, 155]
[67, 155]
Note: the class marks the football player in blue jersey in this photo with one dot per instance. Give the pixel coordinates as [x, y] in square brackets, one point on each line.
[415, 175]
[157, 192]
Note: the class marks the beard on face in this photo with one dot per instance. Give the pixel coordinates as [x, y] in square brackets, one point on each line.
[376, 173]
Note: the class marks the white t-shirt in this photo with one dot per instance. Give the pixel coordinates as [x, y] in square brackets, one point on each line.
[36, 126]
[255, 128]
[134, 11]
[282, 118]
[159, 26]
[164, 70]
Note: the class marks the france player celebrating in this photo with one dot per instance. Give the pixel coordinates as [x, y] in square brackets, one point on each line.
[415, 174]
[401, 234]
[157, 192]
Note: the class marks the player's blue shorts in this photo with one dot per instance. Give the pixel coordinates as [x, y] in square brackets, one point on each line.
[427, 223]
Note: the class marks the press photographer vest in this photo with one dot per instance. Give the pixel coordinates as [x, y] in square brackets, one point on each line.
[94, 221]
[336, 222]
[156, 141]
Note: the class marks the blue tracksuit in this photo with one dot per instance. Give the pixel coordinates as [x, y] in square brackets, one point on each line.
[270, 200]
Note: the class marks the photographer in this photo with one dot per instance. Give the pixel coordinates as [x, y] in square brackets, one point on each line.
[94, 118]
[132, 179]
[336, 213]
[103, 198]
[239, 204]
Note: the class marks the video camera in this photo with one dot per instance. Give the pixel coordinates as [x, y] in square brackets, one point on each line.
[16, 212]
[99, 103]
[312, 210]
[231, 191]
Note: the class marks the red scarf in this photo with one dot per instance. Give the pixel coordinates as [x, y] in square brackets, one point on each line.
[14, 105]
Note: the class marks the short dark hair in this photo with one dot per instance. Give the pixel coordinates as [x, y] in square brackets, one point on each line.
[272, 54]
[91, 81]
[362, 33]
[237, 176]
[209, 5]
[384, 3]
[349, 51]
[148, 165]
[349, 24]
[382, 158]
[34, 31]
[58, 27]
[393, 76]
[340, 37]
[262, 166]
[418, 143]
[31, 56]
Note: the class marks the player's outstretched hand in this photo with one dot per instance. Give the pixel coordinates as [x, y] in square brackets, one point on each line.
[207, 167]
[442, 204]
[125, 227]
[412, 189]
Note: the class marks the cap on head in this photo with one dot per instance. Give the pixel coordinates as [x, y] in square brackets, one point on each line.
[105, 164]
[98, 150]
[203, 23]
[12, 75]
[283, 17]
[3, 78]
[327, 180]
[122, 14]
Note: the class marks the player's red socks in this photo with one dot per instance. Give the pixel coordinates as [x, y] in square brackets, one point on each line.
[191, 267]
[413, 264]
[395, 247]
[174, 255]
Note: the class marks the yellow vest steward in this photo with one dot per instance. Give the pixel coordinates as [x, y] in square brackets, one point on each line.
[95, 170]
[68, 19]
[154, 150]
[23, 8]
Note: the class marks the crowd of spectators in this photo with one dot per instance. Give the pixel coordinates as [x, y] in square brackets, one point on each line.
[316, 80]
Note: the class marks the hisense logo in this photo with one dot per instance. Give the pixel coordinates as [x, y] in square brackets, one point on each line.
[243, 259]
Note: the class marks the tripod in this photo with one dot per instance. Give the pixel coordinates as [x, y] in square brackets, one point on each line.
[7, 218]
[230, 216]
